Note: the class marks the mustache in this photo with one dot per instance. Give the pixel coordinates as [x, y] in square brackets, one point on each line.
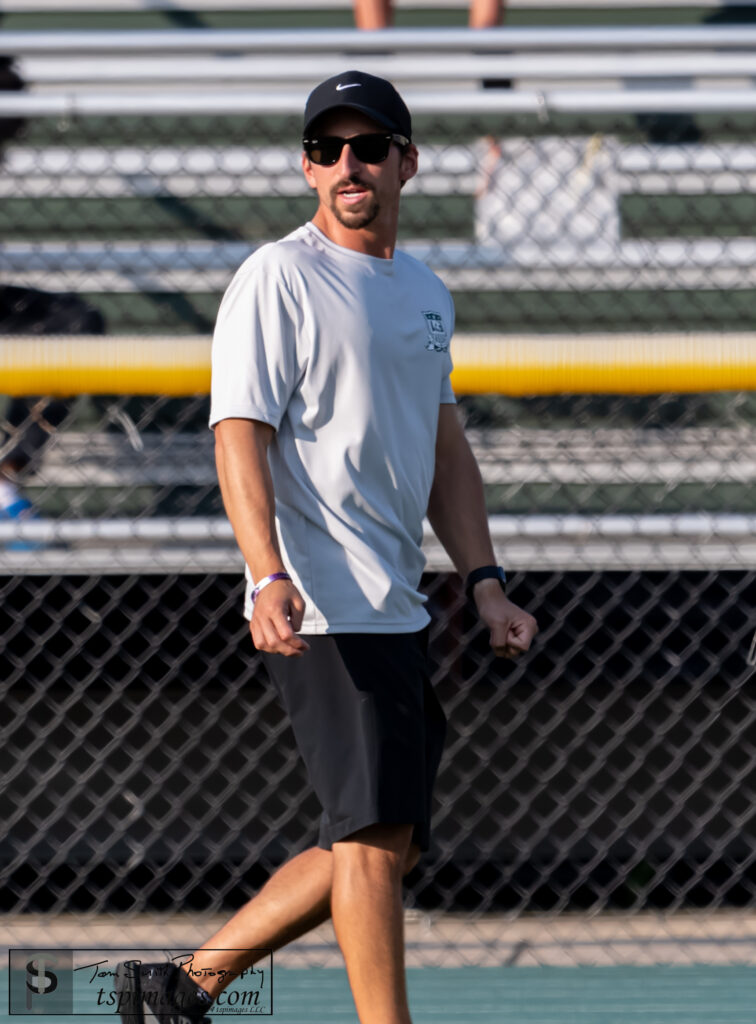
[355, 179]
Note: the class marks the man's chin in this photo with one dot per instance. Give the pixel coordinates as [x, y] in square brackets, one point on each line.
[356, 224]
[356, 219]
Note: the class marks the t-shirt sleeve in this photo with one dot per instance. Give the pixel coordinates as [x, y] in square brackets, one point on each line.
[254, 353]
[447, 392]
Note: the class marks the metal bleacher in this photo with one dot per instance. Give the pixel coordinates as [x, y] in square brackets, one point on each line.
[93, 217]
[511, 257]
[72, 76]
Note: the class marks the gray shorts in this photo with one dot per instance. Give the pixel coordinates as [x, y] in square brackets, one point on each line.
[369, 728]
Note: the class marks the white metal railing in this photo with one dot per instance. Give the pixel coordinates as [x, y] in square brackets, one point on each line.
[575, 70]
[540, 103]
[721, 168]
[576, 456]
[623, 40]
[204, 170]
[400, 68]
[164, 265]
[535, 543]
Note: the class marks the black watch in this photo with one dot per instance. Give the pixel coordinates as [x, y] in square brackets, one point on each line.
[486, 572]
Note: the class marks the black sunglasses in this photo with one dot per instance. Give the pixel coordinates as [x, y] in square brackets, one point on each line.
[369, 149]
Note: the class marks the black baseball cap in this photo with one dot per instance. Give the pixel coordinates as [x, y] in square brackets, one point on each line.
[356, 89]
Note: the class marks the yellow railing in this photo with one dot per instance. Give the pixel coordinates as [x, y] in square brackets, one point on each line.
[484, 364]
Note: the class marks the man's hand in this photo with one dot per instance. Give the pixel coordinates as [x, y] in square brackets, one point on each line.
[276, 617]
[512, 629]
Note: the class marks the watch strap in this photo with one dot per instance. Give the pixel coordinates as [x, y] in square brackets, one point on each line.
[485, 572]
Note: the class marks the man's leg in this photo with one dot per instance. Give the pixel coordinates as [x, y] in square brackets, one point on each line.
[368, 918]
[293, 901]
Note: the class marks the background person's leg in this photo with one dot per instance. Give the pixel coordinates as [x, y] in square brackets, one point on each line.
[486, 13]
[371, 14]
[368, 917]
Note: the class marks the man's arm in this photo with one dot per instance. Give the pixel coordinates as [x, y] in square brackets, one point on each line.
[241, 456]
[457, 513]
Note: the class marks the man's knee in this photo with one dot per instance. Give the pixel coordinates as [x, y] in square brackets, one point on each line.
[380, 844]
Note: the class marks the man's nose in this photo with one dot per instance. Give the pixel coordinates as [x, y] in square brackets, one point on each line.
[348, 162]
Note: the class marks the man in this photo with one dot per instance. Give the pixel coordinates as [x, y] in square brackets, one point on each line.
[336, 431]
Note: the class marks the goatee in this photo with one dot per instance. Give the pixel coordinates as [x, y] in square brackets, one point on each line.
[356, 219]
[353, 219]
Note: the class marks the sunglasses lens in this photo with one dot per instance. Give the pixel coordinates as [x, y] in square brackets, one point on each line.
[325, 151]
[369, 149]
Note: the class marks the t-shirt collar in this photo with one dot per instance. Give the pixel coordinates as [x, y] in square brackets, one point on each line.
[386, 266]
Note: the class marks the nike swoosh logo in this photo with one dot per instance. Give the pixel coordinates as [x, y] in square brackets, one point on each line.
[349, 85]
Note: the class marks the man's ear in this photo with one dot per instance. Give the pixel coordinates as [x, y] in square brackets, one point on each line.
[307, 170]
[408, 163]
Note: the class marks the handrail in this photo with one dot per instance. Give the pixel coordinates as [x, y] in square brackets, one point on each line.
[192, 529]
[450, 102]
[483, 364]
[129, 169]
[400, 68]
[578, 455]
[354, 42]
[523, 543]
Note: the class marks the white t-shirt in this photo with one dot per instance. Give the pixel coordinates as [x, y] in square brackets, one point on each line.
[347, 357]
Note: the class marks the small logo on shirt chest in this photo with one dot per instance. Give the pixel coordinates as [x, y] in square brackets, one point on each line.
[438, 339]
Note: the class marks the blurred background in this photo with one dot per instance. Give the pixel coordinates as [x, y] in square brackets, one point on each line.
[587, 192]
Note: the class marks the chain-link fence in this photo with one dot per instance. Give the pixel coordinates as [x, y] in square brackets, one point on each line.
[147, 766]
[580, 224]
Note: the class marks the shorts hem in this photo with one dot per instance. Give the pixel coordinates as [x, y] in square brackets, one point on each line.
[337, 833]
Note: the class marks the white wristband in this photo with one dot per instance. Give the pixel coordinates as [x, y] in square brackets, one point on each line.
[266, 580]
